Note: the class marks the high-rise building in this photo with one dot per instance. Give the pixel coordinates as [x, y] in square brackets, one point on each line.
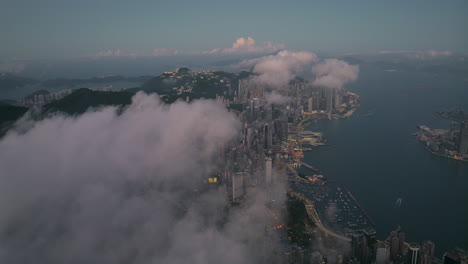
[268, 136]
[363, 245]
[237, 186]
[248, 137]
[463, 147]
[310, 104]
[427, 252]
[396, 240]
[337, 100]
[382, 253]
[413, 253]
[329, 101]
[268, 171]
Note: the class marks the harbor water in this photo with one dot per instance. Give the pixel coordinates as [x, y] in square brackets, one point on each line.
[392, 175]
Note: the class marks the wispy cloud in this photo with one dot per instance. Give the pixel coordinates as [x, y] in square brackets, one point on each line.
[112, 53]
[419, 54]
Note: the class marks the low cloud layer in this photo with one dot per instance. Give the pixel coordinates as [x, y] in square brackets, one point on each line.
[121, 188]
[276, 98]
[277, 70]
[421, 54]
[333, 73]
[430, 54]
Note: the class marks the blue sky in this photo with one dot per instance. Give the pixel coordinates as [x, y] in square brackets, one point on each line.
[74, 28]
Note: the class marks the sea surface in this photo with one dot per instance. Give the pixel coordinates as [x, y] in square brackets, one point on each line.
[375, 154]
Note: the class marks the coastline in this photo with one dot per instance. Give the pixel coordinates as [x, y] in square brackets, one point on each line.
[425, 140]
[309, 204]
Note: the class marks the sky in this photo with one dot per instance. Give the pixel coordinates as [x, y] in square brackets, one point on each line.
[33, 29]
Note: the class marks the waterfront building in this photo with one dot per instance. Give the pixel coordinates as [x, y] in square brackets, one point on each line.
[310, 105]
[382, 253]
[427, 252]
[396, 240]
[413, 254]
[463, 147]
[337, 98]
[362, 247]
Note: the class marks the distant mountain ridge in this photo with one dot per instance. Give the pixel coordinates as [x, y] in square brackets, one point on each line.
[77, 82]
[17, 87]
[170, 86]
[82, 99]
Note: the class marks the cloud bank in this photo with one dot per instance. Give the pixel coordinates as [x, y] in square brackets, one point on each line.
[120, 188]
[333, 73]
[276, 98]
[277, 70]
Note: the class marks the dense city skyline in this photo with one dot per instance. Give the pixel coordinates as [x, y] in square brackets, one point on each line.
[303, 132]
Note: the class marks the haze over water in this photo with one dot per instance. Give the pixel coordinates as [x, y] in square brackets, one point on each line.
[380, 160]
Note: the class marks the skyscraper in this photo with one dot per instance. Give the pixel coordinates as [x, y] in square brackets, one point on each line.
[363, 245]
[268, 136]
[268, 170]
[413, 254]
[237, 186]
[396, 239]
[310, 104]
[463, 147]
[337, 100]
[427, 252]
[382, 253]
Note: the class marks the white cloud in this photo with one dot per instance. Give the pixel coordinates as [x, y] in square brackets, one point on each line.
[247, 45]
[333, 73]
[117, 186]
[276, 98]
[277, 70]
